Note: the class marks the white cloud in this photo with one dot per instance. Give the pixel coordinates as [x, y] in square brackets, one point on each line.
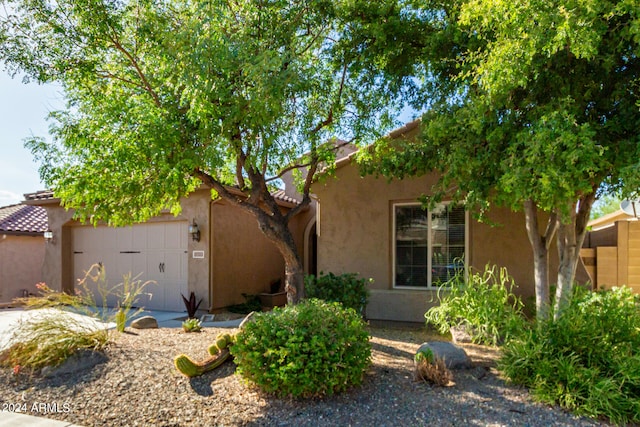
[9, 198]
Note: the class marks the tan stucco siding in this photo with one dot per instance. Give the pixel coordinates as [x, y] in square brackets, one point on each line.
[243, 259]
[504, 244]
[58, 266]
[355, 235]
[21, 259]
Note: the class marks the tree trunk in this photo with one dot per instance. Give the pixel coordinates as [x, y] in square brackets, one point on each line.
[571, 236]
[540, 245]
[273, 224]
[276, 229]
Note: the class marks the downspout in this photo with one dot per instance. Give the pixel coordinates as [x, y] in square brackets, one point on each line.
[210, 269]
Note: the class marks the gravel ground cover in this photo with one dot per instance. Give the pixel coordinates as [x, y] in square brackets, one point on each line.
[139, 386]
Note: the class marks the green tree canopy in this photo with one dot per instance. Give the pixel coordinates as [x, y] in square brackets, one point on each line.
[166, 95]
[532, 105]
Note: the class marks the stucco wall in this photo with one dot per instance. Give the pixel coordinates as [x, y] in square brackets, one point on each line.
[58, 263]
[243, 259]
[21, 259]
[237, 257]
[355, 235]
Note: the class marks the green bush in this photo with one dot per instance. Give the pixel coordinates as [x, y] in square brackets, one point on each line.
[484, 305]
[314, 348]
[588, 360]
[347, 289]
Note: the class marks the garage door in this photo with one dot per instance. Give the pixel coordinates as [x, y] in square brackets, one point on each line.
[156, 251]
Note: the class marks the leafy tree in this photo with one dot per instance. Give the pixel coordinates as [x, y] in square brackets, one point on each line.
[532, 105]
[606, 204]
[166, 95]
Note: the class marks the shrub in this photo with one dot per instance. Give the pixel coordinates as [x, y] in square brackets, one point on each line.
[588, 360]
[484, 305]
[314, 348]
[431, 368]
[347, 289]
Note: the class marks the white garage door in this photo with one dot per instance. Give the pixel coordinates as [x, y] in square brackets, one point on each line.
[156, 251]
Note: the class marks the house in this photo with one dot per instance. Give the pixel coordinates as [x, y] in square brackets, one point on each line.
[22, 250]
[365, 225]
[378, 229]
[611, 251]
[227, 257]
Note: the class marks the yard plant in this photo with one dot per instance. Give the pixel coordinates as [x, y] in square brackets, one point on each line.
[482, 303]
[63, 323]
[315, 348]
[431, 368]
[192, 325]
[588, 360]
[348, 289]
[48, 339]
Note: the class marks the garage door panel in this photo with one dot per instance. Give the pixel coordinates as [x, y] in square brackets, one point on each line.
[124, 238]
[139, 238]
[155, 236]
[176, 237]
[173, 266]
[151, 249]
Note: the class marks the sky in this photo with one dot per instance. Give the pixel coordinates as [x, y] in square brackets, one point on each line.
[23, 113]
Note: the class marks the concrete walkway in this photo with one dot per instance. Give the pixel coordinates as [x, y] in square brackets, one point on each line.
[13, 419]
[10, 319]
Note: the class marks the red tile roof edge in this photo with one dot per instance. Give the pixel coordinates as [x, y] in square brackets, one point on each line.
[23, 219]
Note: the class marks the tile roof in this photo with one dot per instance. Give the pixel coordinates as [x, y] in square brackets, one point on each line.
[281, 195]
[39, 195]
[23, 219]
[47, 195]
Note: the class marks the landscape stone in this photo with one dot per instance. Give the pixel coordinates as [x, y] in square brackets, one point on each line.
[454, 357]
[145, 322]
[460, 334]
[83, 359]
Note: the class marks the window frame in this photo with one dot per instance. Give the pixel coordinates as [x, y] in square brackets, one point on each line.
[430, 285]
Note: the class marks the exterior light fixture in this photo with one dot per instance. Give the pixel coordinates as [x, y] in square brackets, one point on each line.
[194, 231]
[48, 236]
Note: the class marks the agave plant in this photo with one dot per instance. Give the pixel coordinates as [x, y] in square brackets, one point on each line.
[191, 305]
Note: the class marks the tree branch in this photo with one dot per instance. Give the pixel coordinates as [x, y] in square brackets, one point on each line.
[326, 122]
[552, 227]
[145, 83]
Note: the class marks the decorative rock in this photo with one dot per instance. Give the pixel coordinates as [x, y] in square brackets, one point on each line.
[145, 322]
[460, 334]
[83, 359]
[454, 357]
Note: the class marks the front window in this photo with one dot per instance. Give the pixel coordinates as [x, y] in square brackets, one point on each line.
[429, 245]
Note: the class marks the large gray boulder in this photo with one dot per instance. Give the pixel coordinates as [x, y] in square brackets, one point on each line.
[145, 322]
[80, 361]
[454, 357]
